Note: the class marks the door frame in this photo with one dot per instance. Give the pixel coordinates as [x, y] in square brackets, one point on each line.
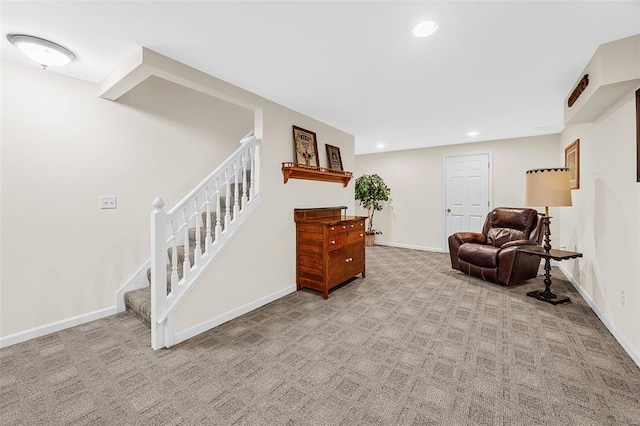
[443, 189]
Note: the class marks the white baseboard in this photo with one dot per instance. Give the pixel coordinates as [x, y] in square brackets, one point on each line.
[408, 246]
[221, 319]
[23, 336]
[633, 352]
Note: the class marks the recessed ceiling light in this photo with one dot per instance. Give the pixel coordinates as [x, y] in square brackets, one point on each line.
[424, 29]
[44, 52]
[380, 145]
[473, 133]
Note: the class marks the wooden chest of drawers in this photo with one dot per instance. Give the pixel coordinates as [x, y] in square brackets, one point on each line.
[329, 248]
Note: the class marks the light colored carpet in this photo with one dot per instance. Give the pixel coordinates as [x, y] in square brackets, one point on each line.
[415, 343]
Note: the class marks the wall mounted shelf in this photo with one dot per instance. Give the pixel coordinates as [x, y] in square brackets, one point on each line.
[302, 171]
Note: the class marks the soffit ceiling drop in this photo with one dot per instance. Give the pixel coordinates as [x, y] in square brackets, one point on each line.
[501, 69]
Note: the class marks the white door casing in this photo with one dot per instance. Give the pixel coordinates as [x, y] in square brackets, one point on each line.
[467, 192]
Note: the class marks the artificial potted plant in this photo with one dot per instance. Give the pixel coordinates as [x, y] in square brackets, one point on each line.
[371, 191]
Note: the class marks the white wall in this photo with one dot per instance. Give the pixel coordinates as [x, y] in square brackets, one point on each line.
[414, 215]
[604, 222]
[63, 147]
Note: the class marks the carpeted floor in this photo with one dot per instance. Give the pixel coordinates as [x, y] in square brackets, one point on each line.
[416, 343]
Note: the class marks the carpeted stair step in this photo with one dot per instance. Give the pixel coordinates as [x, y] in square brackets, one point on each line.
[138, 302]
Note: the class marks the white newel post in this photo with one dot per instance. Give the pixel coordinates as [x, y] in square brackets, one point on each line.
[158, 272]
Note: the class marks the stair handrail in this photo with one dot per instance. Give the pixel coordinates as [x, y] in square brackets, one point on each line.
[248, 138]
[172, 229]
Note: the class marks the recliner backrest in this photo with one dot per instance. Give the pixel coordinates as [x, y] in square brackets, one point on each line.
[504, 224]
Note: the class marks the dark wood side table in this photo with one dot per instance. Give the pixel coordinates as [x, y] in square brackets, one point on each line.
[546, 295]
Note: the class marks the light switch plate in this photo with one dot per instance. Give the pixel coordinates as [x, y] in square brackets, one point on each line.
[108, 202]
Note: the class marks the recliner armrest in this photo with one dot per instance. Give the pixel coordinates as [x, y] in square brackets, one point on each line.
[470, 237]
[519, 243]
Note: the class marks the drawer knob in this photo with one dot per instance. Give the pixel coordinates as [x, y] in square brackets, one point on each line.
[347, 259]
[344, 226]
[351, 259]
[352, 226]
[332, 228]
[333, 241]
[361, 235]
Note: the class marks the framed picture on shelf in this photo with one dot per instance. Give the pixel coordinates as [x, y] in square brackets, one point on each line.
[572, 161]
[334, 158]
[306, 147]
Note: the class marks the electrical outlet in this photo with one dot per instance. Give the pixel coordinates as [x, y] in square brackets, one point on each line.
[108, 202]
[623, 298]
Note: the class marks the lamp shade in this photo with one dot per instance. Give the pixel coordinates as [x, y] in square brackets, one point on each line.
[548, 187]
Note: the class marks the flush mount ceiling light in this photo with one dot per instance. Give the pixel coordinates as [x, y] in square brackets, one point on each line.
[44, 52]
[425, 29]
[473, 133]
[380, 145]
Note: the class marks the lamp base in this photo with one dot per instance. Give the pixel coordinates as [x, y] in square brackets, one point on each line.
[558, 300]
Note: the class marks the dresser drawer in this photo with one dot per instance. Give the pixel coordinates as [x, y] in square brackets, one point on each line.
[342, 239]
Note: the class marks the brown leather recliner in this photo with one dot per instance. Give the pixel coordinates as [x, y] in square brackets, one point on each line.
[494, 255]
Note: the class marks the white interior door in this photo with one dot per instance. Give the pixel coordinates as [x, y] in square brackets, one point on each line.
[467, 191]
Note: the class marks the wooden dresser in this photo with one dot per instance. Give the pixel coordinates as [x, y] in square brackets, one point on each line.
[329, 248]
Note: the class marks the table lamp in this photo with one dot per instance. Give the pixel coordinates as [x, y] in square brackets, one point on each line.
[548, 188]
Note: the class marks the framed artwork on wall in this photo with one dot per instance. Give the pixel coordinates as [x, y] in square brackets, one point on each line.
[572, 162]
[334, 158]
[638, 134]
[306, 147]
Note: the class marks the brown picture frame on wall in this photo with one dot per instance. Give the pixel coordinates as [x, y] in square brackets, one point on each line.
[334, 158]
[638, 134]
[305, 146]
[572, 162]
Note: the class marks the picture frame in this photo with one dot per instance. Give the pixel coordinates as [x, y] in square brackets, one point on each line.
[334, 158]
[638, 135]
[305, 147]
[572, 162]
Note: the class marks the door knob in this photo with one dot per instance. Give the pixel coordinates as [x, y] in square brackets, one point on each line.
[448, 210]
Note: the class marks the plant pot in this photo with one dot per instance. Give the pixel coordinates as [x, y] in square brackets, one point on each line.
[369, 239]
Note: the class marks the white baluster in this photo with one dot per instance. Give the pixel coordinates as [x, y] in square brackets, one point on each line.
[198, 251]
[244, 179]
[236, 198]
[186, 264]
[227, 209]
[253, 169]
[255, 172]
[174, 259]
[158, 272]
[207, 239]
[218, 213]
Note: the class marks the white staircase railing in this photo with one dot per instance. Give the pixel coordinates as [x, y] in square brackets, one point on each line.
[228, 196]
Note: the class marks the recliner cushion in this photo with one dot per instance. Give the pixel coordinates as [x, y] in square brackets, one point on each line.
[509, 224]
[520, 219]
[485, 256]
[499, 236]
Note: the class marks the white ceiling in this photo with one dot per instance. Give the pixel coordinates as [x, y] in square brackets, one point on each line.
[500, 68]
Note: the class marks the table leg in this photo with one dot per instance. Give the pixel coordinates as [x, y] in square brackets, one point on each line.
[547, 281]
[546, 295]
